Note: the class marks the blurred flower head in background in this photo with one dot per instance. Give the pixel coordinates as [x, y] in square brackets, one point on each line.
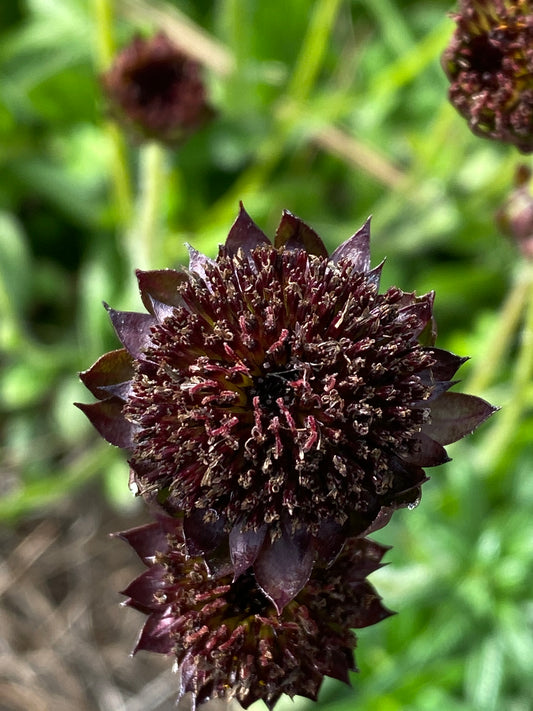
[274, 395]
[226, 635]
[156, 90]
[489, 63]
[515, 217]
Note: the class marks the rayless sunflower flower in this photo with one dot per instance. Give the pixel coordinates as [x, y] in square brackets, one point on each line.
[275, 395]
[489, 63]
[226, 635]
[156, 90]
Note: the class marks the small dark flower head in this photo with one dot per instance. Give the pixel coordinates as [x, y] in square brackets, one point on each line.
[489, 63]
[226, 635]
[275, 394]
[156, 90]
[515, 217]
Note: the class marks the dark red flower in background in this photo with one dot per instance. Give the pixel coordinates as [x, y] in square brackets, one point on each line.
[156, 90]
[515, 216]
[489, 63]
[226, 635]
[275, 396]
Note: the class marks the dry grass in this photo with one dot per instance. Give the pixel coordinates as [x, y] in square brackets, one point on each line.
[64, 640]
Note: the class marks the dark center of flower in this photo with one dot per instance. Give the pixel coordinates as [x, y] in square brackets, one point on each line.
[485, 58]
[155, 81]
[245, 598]
[270, 387]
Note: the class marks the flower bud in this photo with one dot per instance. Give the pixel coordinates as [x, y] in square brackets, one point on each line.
[515, 217]
[489, 63]
[156, 91]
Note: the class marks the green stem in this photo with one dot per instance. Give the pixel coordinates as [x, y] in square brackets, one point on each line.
[105, 51]
[488, 368]
[394, 30]
[105, 44]
[145, 247]
[11, 333]
[501, 436]
[121, 174]
[313, 49]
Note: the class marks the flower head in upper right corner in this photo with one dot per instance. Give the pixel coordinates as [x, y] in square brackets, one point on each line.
[489, 63]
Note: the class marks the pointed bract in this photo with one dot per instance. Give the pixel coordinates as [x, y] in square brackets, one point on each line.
[374, 275]
[329, 540]
[132, 329]
[372, 611]
[356, 249]
[293, 233]
[245, 547]
[146, 541]
[203, 536]
[417, 315]
[107, 418]
[198, 262]
[445, 364]
[283, 567]
[121, 390]
[427, 453]
[245, 234]
[161, 285]
[111, 368]
[454, 415]
[156, 635]
[142, 588]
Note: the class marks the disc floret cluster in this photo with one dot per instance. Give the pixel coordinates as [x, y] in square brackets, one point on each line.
[229, 639]
[156, 91]
[276, 408]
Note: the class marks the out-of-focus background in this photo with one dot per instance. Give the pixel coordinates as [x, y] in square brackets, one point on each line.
[334, 109]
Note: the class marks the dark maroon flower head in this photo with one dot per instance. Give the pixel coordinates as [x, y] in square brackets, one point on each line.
[275, 394]
[226, 634]
[156, 90]
[489, 63]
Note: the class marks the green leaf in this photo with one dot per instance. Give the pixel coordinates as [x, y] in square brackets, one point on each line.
[483, 675]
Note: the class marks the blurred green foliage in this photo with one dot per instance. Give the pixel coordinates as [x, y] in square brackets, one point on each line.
[335, 109]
